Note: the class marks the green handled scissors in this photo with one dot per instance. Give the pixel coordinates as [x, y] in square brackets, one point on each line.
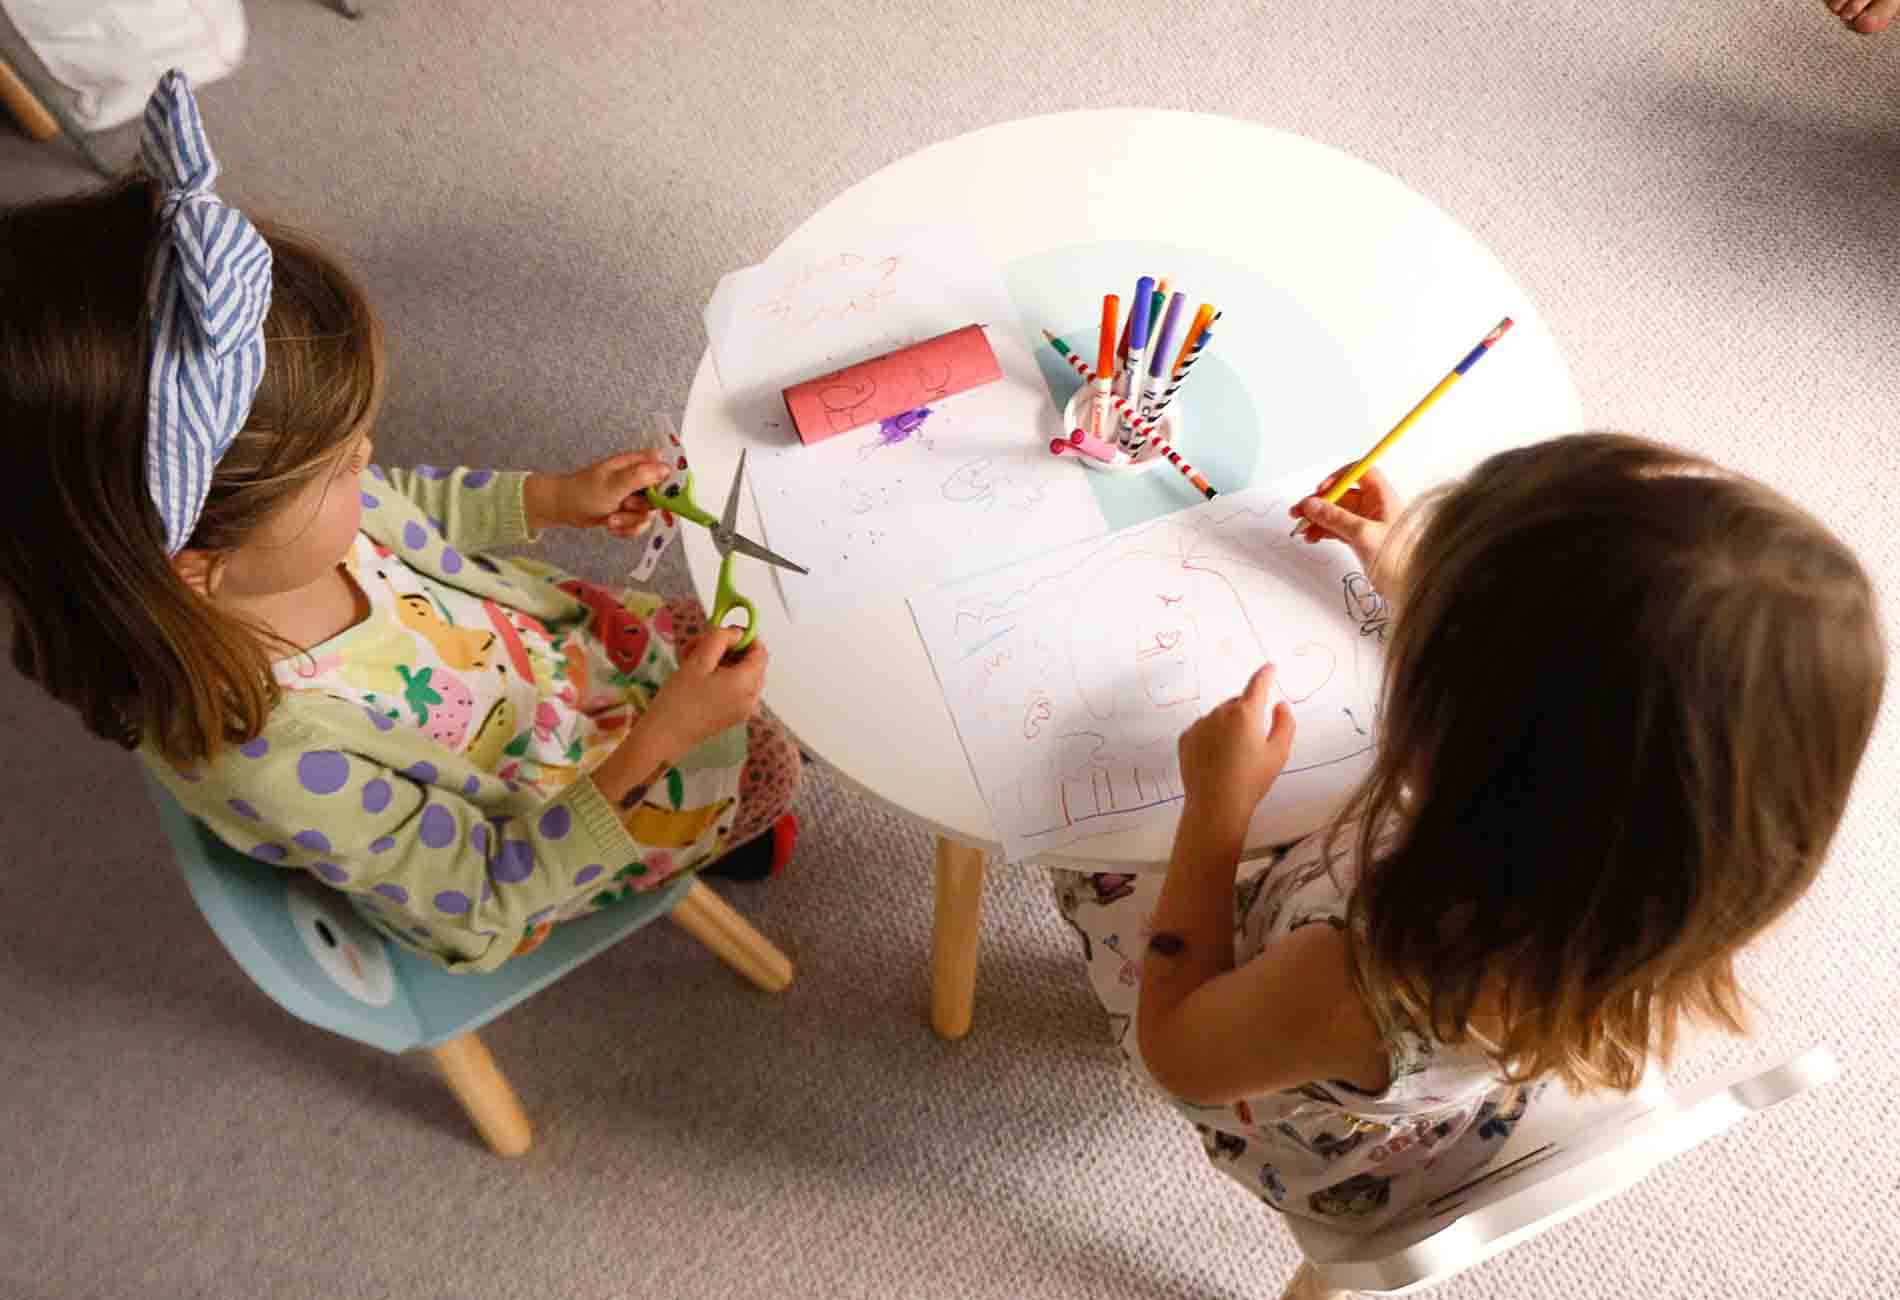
[677, 498]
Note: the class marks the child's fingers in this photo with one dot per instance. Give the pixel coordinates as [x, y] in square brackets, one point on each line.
[1325, 486]
[1254, 698]
[711, 646]
[1341, 523]
[1280, 734]
[633, 471]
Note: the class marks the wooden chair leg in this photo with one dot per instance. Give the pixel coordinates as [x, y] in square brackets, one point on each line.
[959, 913]
[25, 106]
[711, 920]
[1305, 1285]
[43, 117]
[478, 1084]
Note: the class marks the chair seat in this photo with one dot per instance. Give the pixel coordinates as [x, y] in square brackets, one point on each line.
[1570, 1153]
[305, 946]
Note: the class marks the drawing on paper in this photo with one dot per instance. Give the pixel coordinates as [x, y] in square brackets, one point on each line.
[1071, 676]
[832, 289]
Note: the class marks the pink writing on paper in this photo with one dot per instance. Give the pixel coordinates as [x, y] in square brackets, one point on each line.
[849, 284]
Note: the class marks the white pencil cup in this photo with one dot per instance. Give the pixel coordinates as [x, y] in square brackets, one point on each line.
[1076, 416]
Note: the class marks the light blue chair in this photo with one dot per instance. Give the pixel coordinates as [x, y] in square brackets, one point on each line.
[302, 944]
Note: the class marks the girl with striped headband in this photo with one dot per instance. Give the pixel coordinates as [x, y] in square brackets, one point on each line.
[317, 656]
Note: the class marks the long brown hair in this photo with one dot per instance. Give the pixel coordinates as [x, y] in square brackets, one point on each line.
[1624, 699]
[100, 618]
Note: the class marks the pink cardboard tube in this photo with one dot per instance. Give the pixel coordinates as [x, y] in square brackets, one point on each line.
[891, 384]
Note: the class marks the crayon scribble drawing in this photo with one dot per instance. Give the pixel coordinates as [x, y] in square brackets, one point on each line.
[831, 289]
[1072, 675]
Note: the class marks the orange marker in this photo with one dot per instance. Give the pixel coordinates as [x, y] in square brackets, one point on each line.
[1201, 318]
[1105, 361]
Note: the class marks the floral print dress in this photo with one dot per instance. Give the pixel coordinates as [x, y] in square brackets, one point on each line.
[1324, 1150]
[533, 707]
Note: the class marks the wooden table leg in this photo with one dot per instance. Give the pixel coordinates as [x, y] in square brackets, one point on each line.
[953, 937]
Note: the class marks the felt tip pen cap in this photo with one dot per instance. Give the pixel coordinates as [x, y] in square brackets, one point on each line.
[1105, 353]
[1138, 312]
[1164, 341]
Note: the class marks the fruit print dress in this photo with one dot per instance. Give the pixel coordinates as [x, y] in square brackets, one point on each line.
[533, 706]
[1324, 1150]
[424, 762]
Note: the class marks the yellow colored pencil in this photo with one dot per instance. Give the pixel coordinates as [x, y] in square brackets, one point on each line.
[1366, 462]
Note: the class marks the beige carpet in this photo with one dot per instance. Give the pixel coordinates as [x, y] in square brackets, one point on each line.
[1701, 198]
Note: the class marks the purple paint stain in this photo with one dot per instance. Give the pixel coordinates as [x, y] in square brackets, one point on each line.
[893, 429]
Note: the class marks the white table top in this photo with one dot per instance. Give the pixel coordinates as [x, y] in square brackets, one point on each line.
[1400, 284]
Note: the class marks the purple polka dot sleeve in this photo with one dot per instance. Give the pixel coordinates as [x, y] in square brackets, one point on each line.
[437, 518]
[403, 833]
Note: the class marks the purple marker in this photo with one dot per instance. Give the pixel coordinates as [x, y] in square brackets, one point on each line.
[1158, 363]
[1128, 382]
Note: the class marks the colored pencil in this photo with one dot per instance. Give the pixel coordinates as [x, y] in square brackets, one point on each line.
[1365, 463]
[1188, 471]
[1105, 361]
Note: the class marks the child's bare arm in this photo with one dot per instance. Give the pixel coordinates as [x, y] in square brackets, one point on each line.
[1290, 1016]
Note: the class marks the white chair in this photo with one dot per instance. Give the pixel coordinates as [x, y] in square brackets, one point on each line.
[1570, 1153]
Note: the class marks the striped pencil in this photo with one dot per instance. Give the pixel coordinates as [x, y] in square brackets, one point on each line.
[1122, 407]
[1067, 353]
[1353, 475]
[1144, 430]
[1174, 458]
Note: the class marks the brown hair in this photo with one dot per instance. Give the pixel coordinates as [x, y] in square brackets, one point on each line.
[100, 618]
[1624, 699]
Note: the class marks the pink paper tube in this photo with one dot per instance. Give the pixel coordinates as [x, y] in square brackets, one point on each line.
[891, 384]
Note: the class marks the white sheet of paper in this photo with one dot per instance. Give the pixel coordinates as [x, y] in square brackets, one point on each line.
[1072, 675]
[794, 318]
[876, 516]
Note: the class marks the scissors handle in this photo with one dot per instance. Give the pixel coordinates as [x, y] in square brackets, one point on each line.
[726, 599]
[681, 503]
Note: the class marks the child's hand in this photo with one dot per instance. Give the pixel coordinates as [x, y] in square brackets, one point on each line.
[1361, 518]
[1230, 759]
[608, 493]
[708, 693]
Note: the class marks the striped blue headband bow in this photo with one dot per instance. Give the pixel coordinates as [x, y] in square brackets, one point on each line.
[209, 291]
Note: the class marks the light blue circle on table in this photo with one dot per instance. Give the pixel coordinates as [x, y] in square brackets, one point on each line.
[1234, 406]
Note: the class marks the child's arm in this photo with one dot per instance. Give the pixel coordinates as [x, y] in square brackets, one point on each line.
[468, 879]
[476, 509]
[608, 494]
[1209, 1032]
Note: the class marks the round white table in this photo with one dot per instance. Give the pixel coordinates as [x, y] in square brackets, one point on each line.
[1398, 287]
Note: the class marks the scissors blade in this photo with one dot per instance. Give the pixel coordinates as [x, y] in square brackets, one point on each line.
[746, 546]
[729, 519]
